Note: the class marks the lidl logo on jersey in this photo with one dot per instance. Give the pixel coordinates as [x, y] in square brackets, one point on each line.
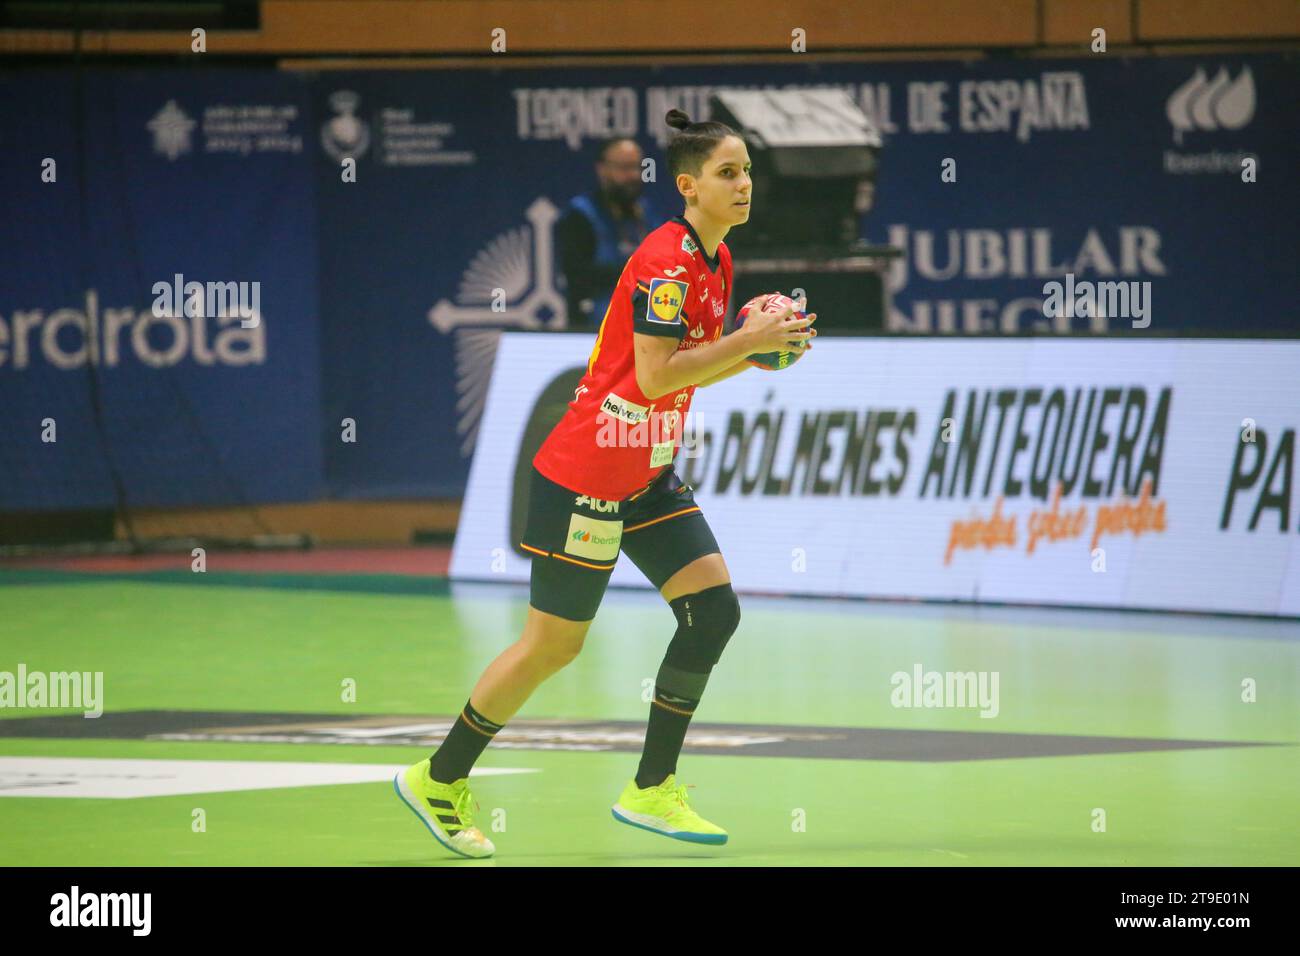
[593, 538]
[666, 298]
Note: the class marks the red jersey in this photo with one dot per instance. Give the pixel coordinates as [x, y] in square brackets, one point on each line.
[613, 440]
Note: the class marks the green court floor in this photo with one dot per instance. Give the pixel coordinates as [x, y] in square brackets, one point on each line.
[1113, 739]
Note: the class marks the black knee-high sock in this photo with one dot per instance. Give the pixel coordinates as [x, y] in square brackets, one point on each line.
[670, 716]
[705, 622]
[468, 738]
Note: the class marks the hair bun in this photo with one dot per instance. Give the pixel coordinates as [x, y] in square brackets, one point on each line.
[677, 119]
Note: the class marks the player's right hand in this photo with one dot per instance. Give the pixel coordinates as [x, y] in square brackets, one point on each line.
[779, 330]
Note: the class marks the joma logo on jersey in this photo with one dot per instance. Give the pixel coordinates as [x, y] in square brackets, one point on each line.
[665, 302]
[596, 504]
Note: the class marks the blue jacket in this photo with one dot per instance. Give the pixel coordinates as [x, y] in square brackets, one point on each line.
[592, 275]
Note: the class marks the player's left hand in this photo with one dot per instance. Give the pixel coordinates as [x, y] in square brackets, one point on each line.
[805, 344]
[759, 302]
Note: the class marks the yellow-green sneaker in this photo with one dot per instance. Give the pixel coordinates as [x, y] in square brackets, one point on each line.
[665, 810]
[447, 809]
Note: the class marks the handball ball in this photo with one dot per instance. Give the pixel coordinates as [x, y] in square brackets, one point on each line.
[772, 361]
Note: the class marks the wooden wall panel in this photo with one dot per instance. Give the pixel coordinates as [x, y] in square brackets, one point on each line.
[329, 522]
[1163, 20]
[465, 26]
[1071, 22]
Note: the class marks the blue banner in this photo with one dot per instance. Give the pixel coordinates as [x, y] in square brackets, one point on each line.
[158, 294]
[382, 285]
[1171, 176]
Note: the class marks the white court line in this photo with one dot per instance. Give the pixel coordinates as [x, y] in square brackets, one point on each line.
[113, 778]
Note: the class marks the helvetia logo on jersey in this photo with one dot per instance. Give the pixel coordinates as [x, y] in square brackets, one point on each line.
[666, 298]
[620, 408]
[593, 538]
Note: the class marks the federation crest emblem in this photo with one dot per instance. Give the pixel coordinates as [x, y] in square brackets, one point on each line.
[172, 129]
[346, 135]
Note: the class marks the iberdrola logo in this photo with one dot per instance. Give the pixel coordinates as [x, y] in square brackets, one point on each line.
[588, 538]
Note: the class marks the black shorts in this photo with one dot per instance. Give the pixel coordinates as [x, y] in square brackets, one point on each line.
[575, 540]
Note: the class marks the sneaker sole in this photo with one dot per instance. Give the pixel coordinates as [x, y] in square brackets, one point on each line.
[633, 820]
[412, 804]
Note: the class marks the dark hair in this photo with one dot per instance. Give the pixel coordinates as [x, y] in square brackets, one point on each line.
[606, 145]
[695, 142]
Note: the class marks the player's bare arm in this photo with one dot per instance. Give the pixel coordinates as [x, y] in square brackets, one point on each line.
[732, 372]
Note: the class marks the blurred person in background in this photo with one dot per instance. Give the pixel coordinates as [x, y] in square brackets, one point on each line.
[600, 229]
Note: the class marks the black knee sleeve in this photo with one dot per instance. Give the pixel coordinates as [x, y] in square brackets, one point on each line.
[705, 622]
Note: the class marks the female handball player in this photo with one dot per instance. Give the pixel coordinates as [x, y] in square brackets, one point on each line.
[604, 482]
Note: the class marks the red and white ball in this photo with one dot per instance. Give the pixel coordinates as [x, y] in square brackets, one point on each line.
[772, 361]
